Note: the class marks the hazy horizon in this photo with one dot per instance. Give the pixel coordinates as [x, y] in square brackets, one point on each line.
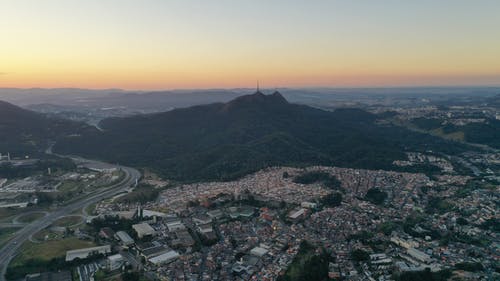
[160, 45]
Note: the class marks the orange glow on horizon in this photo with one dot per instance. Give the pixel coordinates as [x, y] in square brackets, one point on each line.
[195, 44]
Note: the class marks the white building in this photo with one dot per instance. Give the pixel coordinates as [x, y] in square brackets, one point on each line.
[114, 262]
[164, 258]
[418, 255]
[124, 238]
[297, 214]
[309, 205]
[175, 225]
[143, 229]
[259, 251]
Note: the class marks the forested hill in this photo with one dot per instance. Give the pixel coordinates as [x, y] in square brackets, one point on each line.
[26, 132]
[224, 141]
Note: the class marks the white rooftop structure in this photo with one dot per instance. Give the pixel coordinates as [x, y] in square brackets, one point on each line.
[164, 258]
[115, 261]
[259, 251]
[150, 213]
[124, 238]
[419, 255]
[309, 205]
[297, 213]
[175, 225]
[143, 229]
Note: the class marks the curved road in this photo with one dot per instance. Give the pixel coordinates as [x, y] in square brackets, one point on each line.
[9, 251]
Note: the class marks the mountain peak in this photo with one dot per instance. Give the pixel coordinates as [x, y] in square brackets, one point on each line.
[257, 99]
[278, 96]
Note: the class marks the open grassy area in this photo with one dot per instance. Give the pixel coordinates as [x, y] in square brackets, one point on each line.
[70, 186]
[6, 233]
[46, 234]
[90, 209]
[40, 257]
[49, 250]
[30, 217]
[457, 136]
[68, 221]
[9, 212]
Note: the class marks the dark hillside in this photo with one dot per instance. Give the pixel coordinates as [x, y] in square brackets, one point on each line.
[23, 131]
[228, 140]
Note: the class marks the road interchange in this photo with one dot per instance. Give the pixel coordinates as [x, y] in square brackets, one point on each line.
[10, 249]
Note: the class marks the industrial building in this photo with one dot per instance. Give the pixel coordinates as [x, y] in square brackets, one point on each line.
[164, 258]
[143, 230]
[124, 238]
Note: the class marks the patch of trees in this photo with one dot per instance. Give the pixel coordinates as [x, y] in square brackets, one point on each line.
[131, 276]
[425, 275]
[141, 194]
[479, 240]
[487, 133]
[323, 178]
[362, 236]
[438, 205]
[332, 199]
[10, 171]
[359, 255]
[27, 132]
[48, 198]
[426, 168]
[387, 227]
[462, 221]
[308, 265]
[470, 266]
[427, 123]
[492, 224]
[114, 222]
[376, 196]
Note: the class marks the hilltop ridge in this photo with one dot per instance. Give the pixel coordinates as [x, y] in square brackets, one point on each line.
[223, 141]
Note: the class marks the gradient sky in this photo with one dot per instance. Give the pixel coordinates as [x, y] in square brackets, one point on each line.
[162, 44]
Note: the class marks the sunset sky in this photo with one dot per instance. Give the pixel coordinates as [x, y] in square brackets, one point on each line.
[165, 44]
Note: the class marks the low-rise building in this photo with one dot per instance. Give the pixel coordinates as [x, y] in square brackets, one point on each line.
[164, 258]
[143, 230]
[124, 238]
[114, 262]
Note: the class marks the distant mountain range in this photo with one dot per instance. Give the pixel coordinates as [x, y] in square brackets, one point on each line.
[223, 141]
[130, 102]
[27, 132]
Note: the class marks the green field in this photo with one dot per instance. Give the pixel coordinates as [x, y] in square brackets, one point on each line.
[46, 234]
[9, 212]
[40, 257]
[68, 221]
[49, 250]
[30, 217]
[70, 186]
[90, 209]
[6, 233]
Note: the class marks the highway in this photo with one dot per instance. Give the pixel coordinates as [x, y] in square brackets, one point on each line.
[9, 251]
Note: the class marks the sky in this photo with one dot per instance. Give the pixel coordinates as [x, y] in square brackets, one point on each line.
[169, 44]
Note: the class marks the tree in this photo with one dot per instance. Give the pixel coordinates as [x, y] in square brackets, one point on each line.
[376, 196]
[360, 255]
[332, 199]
